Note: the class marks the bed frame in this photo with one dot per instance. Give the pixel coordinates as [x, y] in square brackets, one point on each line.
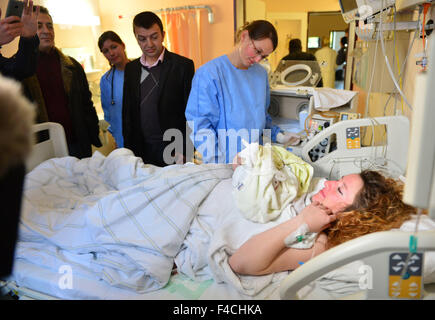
[54, 146]
[375, 250]
[345, 160]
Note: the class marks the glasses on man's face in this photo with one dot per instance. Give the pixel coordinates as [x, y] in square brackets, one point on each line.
[258, 52]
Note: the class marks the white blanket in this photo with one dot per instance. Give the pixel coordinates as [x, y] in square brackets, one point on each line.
[112, 219]
[219, 230]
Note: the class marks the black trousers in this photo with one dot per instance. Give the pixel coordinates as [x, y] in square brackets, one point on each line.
[153, 153]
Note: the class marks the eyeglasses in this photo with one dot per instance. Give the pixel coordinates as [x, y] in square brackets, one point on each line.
[258, 52]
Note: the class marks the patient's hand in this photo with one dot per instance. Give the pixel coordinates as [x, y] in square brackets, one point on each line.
[317, 217]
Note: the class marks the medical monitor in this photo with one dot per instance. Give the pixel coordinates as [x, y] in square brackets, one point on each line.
[314, 43]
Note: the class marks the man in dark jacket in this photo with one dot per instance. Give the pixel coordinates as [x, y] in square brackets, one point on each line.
[156, 90]
[61, 91]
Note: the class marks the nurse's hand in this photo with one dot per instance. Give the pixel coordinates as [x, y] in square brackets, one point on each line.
[237, 161]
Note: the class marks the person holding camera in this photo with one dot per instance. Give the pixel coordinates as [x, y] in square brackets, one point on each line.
[23, 63]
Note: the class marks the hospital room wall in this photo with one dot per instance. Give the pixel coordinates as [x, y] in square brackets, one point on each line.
[382, 85]
[290, 18]
[216, 38]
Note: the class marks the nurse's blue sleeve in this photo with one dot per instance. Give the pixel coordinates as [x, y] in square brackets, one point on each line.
[104, 93]
[274, 129]
[202, 115]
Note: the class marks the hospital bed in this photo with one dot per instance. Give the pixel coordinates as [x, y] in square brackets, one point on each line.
[63, 195]
[50, 143]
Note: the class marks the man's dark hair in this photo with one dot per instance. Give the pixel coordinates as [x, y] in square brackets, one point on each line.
[295, 45]
[146, 20]
[42, 9]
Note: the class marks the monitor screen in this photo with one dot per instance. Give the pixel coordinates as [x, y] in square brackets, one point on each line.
[313, 42]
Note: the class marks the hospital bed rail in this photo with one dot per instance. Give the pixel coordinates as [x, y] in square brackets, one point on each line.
[347, 160]
[54, 144]
[374, 249]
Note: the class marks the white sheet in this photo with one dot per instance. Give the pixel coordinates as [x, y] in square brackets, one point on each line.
[112, 219]
[216, 233]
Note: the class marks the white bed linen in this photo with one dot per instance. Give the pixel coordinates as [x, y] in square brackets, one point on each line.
[38, 279]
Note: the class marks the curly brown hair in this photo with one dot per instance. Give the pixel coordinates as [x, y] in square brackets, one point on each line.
[377, 207]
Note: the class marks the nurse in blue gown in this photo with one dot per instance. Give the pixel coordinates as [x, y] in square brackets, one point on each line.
[230, 97]
[112, 83]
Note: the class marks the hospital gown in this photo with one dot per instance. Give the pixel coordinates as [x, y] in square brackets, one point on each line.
[225, 105]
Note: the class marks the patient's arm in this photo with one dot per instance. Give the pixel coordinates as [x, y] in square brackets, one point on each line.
[266, 252]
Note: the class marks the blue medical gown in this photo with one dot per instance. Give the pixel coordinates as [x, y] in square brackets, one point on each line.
[227, 105]
[113, 112]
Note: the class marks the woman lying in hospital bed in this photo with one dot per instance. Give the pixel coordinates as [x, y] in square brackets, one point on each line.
[327, 214]
[355, 205]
